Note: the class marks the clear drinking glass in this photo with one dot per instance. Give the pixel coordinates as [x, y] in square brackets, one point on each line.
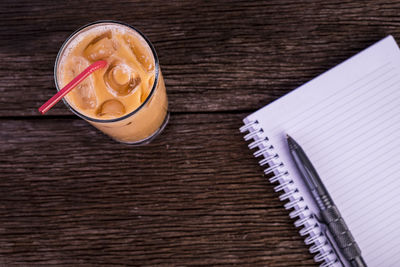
[142, 124]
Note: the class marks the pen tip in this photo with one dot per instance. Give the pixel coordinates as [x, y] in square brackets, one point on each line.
[287, 136]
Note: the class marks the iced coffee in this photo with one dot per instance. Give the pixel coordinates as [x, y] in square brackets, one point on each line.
[127, 99]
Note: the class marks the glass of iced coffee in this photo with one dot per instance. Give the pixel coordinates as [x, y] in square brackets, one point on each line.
[127, 99]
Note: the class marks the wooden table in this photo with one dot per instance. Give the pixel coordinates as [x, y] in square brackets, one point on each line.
[195, 196]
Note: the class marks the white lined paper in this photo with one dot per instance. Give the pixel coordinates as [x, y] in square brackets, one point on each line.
[348, 122]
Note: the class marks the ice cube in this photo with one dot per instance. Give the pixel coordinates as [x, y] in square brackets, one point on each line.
[84, 93]
[100, 47]
[120, 79]
[147, 89]
[111, 108]
[142, 54]
[120, 75]
[76, 64]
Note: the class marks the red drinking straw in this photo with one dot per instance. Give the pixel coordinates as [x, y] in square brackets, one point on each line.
[71, 85]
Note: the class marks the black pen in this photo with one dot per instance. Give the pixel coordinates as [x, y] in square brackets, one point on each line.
[328, 210]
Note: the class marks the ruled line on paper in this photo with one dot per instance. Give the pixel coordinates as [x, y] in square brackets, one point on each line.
[344, 113]
[338, 103]
[385, 68]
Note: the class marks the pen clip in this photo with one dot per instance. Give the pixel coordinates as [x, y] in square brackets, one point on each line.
[324, 229]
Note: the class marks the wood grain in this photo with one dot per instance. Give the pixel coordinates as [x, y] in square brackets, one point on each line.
[215, 55]
[70, 196]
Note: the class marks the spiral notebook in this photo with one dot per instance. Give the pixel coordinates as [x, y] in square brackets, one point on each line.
[348, 122]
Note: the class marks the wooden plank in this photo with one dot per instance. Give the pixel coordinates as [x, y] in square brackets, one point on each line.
[215, 56]
[196, 196]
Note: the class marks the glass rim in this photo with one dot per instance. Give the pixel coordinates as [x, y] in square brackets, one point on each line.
[156, 71]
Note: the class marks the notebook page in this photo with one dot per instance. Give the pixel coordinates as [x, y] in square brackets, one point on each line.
[348, 122]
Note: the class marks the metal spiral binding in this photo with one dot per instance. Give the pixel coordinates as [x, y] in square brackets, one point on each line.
[311, 229]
